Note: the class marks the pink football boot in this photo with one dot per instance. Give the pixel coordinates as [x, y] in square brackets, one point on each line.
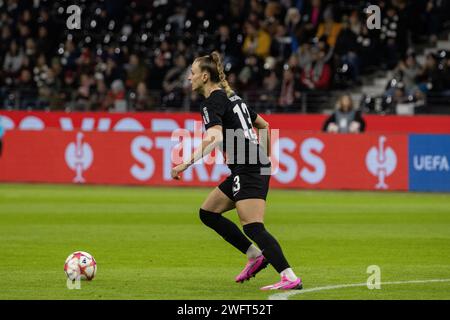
[285, 284]
[252, 268]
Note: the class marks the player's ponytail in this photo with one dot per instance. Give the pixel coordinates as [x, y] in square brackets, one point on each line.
[223, 80]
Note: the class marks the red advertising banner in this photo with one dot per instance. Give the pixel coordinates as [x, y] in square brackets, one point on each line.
[159, 121]
[323, 161]
[300, 160]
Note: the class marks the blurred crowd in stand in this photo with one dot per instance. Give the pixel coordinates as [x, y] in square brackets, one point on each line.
[135, 55]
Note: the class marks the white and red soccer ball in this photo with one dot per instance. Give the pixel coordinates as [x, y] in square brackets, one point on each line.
[80, 265]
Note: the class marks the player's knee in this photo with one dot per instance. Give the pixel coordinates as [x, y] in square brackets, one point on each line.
[207, 217]
[252, 230]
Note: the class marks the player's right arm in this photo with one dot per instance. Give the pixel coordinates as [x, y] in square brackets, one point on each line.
[212, 139]
[212, 114]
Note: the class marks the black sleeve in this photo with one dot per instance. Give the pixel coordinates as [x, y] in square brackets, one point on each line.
[253, 114]
[361, 121]
[330, 119]
[212, 114]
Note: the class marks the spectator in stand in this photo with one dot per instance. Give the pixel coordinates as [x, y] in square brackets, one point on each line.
[116, 99]
[98, 99]
[13, 60]
[434, 15]
[440, 83]
[27, 19]
[403, 38]
[323, 46]
[287, 95]
[329, 28]
[408, 70]
[346, 50]
[50, 90]
[367, 48]
[142, 100]
[389, 37]
[257, 41]
[24, 34]
[83, 95]
[355, 22]
[70, 56]
[44, 43]
[114, 70]
[251, 75]
[345, 119]
[136, 71]
[165, 49]
[173, 82]
[85, 62]
[317, 74]
[304, 55]
[44, 20]
[57, 68]
[30, 50]
[270, 84]
[293, 26]
[272, 12]
[280, 46]
[227, 45]
[27, 90]
[445, 76]
[67, 96]
[157, 72]
[52, 86]
[428, 79]
[290, 90]
[311, 19]
[40, 70]
[5, 39]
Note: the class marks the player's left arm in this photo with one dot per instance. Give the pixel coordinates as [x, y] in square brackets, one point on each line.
[212, 139]
[263, 129]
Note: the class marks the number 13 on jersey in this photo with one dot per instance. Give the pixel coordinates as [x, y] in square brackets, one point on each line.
[246, 122]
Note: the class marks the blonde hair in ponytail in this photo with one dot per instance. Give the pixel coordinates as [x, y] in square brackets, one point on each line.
[223, 80]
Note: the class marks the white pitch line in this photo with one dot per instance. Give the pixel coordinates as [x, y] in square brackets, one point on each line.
[286, 295]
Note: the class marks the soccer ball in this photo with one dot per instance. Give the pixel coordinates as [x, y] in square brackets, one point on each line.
[80, 265]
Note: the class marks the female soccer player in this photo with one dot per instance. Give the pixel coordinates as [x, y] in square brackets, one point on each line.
[229, 122]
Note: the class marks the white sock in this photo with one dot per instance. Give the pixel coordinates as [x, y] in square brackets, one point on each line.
[253, 252]
[288, 273]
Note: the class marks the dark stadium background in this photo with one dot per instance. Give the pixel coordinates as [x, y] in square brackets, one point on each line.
[134, 55]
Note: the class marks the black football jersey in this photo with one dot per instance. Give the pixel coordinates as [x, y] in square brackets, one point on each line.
[240, 142]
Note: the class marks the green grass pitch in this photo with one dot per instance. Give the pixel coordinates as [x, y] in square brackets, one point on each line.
[150, 244]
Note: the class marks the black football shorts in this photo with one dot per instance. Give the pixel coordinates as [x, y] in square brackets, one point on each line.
[246, 184]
